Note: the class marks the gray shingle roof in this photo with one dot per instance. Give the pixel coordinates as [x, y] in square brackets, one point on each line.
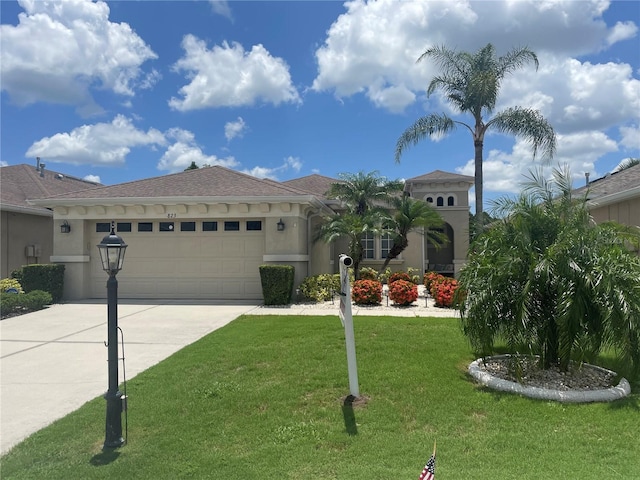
[316, 184]
[215, 181]
[19, 183]
[612, 183]
[440, 176]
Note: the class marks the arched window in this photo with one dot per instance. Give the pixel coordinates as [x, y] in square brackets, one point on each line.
[429, 199]
[450, 201]
[440, 202]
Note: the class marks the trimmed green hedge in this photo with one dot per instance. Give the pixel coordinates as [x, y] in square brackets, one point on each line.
[46, 277]
[24, 302]
[277, 284]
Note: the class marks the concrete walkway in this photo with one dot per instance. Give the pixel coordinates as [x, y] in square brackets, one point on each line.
[55, 360]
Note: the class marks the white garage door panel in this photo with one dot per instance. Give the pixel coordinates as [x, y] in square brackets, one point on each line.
[211, 265]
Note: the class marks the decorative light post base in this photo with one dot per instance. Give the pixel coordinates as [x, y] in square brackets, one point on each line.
[113, 436]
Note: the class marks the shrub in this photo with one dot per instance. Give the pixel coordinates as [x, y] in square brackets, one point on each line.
[394, 277]
[368, 273]
[24, 302]
[48, 277]
[402, 292]
[320, 287]
[443, 292]
[442, 289]
[366, 292]
[414, 275]
[428, 278]
[10, 283]
[277, 284]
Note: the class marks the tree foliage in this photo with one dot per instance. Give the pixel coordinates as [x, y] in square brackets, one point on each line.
[409, 215]
[471, 82]
[548, 277]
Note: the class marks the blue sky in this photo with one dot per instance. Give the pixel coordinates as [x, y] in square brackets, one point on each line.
[119, 91]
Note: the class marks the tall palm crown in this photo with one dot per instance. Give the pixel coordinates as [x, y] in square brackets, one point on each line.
[471, 83]
[361, 192]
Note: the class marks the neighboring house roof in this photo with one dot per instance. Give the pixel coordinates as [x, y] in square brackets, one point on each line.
[214, 183]
[613, 187]
[316, 184]
[440, 176]
[21, 183]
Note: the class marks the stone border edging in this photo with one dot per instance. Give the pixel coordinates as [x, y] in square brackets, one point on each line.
[569, 396]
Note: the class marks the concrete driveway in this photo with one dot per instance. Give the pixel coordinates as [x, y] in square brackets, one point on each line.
[55, 360]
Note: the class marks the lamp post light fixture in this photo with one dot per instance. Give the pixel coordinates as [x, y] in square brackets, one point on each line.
[280, 225]
[112, 249]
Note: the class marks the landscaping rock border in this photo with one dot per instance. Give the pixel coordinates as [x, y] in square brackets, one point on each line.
[565, 396]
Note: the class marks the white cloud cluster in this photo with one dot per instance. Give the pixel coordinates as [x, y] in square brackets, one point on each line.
[92, 178]
[289, 163]
[60, 50]
[372, 50]
[98, 144]
[229, 76]
[235, 129]
[185, 150]
[221, 7]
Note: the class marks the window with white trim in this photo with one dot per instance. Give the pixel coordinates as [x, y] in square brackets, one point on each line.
[368, 243]
[376, 247]
[386, 244]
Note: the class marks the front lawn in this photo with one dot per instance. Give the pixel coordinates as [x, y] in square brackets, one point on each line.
[262, 398]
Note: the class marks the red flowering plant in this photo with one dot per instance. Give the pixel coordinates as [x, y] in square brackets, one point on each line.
[366, 292]
[443, 290]
[428, 279]
[403, 292]
[394, 277]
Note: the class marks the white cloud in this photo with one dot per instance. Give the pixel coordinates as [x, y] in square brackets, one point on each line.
[373, 47]
[235, 129]
[97, 144]
[3, 163]
[289, 163]
[92, 178]
[221, 7]
[631, 138]
[505, 171]
[229, 76]
[185, 150]
[622, 31]
[59, 51]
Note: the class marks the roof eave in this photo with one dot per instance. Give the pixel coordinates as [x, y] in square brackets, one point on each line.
[614, 197]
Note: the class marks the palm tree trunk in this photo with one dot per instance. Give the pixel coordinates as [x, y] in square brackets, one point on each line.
[478, 145]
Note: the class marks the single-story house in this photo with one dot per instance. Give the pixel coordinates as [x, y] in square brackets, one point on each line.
[26, 230]
[204, 233]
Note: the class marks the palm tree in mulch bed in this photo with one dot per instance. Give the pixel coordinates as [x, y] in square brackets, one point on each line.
[548, 277]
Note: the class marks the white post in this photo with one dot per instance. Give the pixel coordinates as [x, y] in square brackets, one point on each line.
[347, 321]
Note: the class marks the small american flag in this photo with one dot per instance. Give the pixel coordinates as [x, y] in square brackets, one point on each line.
[429, 470]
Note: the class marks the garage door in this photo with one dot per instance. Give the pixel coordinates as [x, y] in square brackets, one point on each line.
[199, 259]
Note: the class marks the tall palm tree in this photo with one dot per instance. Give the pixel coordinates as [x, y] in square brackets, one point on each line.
[471, 83]
[548, 278]
[408, 215]
[361, 191]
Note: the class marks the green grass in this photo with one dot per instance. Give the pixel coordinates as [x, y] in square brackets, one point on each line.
[262, 398]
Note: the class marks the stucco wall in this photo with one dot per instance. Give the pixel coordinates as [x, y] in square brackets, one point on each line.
[626, 212]
[19, 230]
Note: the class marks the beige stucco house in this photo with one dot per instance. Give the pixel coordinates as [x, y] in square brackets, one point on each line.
[204, 233]
[615, 197]
[26, 230]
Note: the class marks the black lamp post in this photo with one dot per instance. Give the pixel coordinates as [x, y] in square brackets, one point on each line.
[112, 249]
